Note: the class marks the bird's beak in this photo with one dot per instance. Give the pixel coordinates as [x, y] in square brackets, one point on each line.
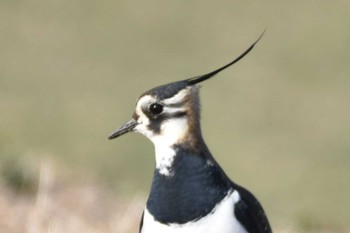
[127, 127]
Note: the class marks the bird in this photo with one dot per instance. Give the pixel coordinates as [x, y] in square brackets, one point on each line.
[190, 192]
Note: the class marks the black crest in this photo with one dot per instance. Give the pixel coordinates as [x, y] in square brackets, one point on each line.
[171, 89]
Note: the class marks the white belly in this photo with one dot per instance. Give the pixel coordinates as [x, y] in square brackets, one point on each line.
[220, 220]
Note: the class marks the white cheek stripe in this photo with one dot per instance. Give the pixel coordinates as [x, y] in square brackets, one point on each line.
[178, 98]
[147, 99]
[173, 110]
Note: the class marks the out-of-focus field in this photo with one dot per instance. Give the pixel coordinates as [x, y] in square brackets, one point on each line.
[70, 72]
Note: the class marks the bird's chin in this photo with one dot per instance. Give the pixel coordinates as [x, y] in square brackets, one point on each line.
[142, 129]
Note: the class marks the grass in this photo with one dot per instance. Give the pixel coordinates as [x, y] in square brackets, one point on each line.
[70, 72]
[62, 204]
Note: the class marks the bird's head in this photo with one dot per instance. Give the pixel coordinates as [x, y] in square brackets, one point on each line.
[170, 114]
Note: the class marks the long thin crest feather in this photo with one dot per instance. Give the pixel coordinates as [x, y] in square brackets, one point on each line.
[201, 78]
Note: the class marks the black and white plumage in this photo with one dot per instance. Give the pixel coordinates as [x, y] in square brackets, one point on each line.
[190, 192]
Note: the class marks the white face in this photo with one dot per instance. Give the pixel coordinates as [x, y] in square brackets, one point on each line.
[165, 127]
[162, 129]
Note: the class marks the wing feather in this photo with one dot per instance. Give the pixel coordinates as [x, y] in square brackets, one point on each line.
[141, 223]
[250, 213]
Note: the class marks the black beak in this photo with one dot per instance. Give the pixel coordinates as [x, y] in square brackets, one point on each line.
[127, 127]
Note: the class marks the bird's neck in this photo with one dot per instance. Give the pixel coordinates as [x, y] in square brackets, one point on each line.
[168, 148]
[188, 179]
[178, 133]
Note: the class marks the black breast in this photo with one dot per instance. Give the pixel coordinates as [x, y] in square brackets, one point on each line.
[190, 193]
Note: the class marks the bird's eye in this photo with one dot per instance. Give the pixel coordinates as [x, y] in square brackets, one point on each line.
[156, 108]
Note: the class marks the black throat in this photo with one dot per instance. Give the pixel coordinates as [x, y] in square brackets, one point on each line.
[195, 186]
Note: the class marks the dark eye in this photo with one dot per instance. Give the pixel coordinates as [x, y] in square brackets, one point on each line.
[156, 108]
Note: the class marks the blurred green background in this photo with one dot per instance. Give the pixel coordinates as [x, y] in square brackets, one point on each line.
[278, 121]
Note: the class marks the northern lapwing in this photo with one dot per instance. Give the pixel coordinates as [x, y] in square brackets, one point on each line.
[190, 192]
